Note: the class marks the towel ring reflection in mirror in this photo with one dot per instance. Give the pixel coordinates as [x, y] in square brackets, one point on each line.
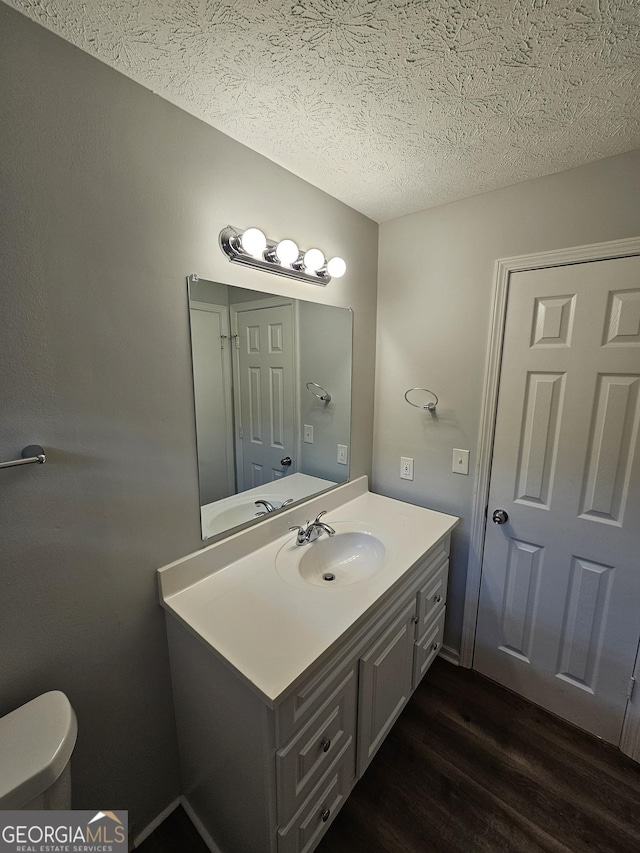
[429, 407]
[325, 396]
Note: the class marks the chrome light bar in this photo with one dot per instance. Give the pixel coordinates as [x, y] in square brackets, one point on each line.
[251, 248]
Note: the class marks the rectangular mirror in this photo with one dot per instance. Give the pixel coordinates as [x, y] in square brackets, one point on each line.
[272, 392]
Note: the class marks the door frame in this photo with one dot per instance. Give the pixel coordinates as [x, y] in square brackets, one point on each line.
[223, 312]
[504, 268]
[236, 308]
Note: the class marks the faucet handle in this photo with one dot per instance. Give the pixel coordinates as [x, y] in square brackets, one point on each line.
[319, 516]
[301, 537]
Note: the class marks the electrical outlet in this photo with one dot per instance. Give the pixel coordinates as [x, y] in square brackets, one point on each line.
[343, 454]
[308, 433]
[460, 463]
[406, 468]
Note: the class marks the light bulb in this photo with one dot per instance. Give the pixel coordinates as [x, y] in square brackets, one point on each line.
[287, 252]
[313, 260]
[336, 267]
[253, 242]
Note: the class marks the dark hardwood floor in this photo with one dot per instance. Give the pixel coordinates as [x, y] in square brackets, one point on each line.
[175, 835]
[472, 768]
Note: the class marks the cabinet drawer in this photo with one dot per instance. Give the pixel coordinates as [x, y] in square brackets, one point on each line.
[426, 650]
[302, 762]
[298, 708]
[431, 596]
[307, 828]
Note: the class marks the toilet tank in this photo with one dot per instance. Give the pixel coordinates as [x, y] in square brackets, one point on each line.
[36, 742]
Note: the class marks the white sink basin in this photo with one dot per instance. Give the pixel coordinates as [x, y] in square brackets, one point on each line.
[238, 510]
[354, 554]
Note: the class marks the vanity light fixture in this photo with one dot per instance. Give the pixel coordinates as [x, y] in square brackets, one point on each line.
[253, 242]
[336, 267]
[252, 248]
[287, 252]
[313, 260]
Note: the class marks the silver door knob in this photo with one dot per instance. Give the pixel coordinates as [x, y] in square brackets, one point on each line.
[286, 461]
[499, 516]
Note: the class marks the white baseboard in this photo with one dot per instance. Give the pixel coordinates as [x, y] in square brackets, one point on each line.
[195, 820]
[155, 823]
[450, 654]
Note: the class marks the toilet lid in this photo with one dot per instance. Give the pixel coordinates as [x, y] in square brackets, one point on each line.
[36, 742]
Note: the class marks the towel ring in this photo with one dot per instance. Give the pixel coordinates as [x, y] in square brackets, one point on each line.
[430, 407]
[325, 396]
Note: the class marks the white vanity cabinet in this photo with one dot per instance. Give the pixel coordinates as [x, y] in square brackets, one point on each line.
[270, 777]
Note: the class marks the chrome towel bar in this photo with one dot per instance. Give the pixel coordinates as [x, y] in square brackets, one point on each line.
[30, 454]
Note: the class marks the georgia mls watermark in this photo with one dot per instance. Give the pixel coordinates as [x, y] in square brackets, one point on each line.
[63, 831]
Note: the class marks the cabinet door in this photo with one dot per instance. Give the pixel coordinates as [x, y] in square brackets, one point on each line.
[385, 683]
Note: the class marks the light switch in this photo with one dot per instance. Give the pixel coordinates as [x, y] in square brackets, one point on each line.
[343, 454]
[460, 463]
[308, 433]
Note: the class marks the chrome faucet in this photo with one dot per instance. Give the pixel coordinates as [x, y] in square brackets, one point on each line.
[269, 507]
[313, 530]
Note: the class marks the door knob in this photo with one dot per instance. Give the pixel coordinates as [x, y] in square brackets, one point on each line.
[499, 516]
[286, 461]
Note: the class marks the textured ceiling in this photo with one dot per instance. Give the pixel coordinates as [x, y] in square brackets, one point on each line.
[390, 105]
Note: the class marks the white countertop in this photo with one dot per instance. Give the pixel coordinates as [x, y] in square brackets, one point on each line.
[218, 516]
[271, 631]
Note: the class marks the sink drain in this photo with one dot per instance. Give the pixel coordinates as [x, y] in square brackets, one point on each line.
[328, 577]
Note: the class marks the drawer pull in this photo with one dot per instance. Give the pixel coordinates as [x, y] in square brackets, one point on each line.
[326, 745]
[325, 815]
[438, 599]
[435, 647]
[416, 620]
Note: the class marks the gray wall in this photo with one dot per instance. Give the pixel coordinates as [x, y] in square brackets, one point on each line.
[236, 296]
[436, 273]
[326, 335]
[111, 197]
[208, 291]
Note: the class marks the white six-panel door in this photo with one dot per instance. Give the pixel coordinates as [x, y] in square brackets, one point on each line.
[559, 615]
[264, 405]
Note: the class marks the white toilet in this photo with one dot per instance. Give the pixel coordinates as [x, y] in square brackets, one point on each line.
[36, 742]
